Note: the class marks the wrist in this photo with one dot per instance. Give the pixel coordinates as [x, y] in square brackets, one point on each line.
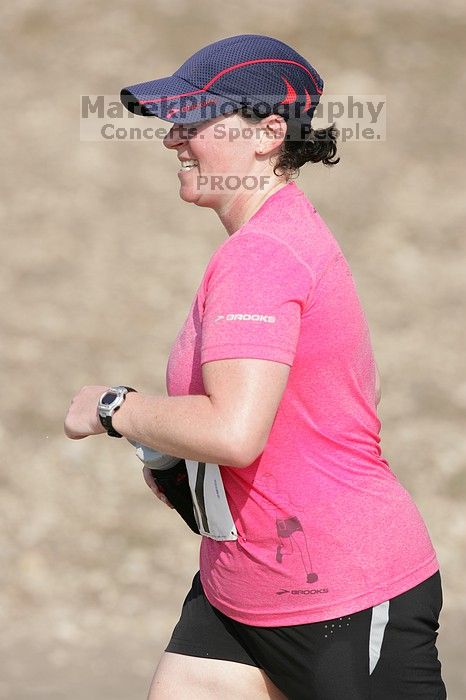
[120, 419]
[110, 404]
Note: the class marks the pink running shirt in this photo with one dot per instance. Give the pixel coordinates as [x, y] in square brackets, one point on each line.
[324, 526]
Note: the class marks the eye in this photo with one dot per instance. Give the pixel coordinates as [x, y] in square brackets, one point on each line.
[193, 129]
[196, 125]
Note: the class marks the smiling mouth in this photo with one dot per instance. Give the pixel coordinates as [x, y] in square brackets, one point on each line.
[188, 165]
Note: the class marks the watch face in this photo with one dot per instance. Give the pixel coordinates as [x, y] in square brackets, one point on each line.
[108, 399]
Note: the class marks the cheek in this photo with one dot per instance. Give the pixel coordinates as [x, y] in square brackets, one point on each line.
[231, 155]
[242, 155]
[215, 155]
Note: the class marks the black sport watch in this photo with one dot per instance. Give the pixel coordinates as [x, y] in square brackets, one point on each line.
[108, 404]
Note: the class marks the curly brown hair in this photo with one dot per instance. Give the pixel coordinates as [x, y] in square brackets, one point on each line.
[314, 146]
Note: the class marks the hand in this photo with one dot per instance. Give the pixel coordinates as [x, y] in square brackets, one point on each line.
[149, 479]
[82, 418]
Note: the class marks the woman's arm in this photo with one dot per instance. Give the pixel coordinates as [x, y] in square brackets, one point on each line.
[229, 425]
[182, 426]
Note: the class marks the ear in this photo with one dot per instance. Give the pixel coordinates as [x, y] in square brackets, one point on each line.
[273, 134]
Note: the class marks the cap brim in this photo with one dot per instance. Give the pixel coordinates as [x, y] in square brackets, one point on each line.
[175, 100]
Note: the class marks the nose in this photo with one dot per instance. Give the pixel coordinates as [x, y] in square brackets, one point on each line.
[175, 137]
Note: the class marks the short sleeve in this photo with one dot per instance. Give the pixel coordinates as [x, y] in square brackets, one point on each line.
[255, 293]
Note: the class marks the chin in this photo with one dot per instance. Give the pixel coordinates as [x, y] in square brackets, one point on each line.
[189, 195]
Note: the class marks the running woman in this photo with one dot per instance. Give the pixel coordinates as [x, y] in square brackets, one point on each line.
[317, 579]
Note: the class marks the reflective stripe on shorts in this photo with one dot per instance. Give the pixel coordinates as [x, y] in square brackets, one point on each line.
[380, 614]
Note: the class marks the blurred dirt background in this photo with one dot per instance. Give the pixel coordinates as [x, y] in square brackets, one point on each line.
[101, 260]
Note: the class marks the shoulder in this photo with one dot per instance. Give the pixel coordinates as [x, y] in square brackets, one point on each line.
[256, 247]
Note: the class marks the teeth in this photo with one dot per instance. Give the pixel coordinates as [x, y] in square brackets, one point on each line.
[187, 165]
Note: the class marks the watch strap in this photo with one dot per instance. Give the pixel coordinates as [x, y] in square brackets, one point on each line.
[107, 420]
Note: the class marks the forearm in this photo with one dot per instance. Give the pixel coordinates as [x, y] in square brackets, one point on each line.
[182, 426]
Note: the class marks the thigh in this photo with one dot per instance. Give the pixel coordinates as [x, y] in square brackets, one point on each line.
[326, 660]
[408, 667]
[180, 676]
[203, 631]
[205, 659]
[385, 652]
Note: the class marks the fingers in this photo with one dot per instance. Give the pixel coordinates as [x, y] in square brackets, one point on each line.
[149, 479]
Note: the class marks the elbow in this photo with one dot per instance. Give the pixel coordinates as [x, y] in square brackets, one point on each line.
[242, 454]
[238, 446]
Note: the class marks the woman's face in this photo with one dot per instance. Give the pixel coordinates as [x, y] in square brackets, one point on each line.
[228, 160]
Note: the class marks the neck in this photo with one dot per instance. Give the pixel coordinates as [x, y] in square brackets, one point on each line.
[244, 205]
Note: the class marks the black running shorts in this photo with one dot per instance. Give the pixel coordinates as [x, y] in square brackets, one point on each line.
[385, 652]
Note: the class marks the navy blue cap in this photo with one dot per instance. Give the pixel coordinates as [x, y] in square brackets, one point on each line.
[245, 70]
